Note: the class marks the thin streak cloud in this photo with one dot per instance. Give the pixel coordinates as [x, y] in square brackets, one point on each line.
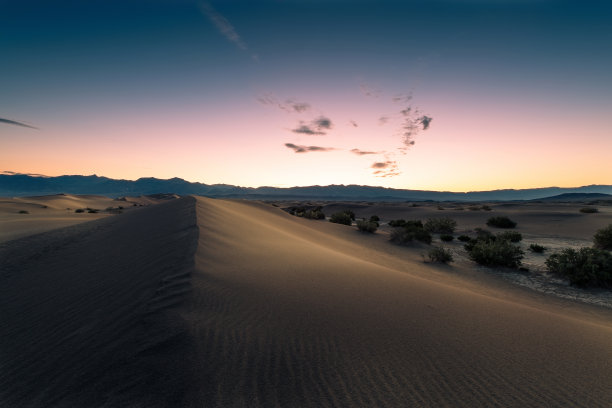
[307, 149]
[15, 123]
[224, 27]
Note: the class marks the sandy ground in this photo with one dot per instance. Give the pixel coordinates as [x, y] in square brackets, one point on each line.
[212, 303]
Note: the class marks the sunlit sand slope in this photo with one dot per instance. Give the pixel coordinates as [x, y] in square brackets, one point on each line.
[286, 315]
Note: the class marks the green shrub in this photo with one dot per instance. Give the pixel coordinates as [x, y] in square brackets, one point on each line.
[440, 225]
[537, 248]
[496, 253]
[314, 214]
[397, 223]
[589, 210]
[375, 218]
[350, 214]
[92, 210]
[603, 238]
[367, 226]
[404, 223]
[483, 234]
[463, 238]
[501, 222]
[410, 233]
[511, 236]
[439, 254]
[79, 210]
[341, 218]
[23, 212]
[583, 267]
[446, 237]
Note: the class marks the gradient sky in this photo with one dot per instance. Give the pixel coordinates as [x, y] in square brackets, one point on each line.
[296, 92]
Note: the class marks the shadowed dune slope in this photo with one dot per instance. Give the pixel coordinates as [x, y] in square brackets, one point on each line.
[86, 312]
[211, 303]
[286, 315]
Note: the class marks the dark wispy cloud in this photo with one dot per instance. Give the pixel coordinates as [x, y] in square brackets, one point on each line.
[383, 120]
[360, 152]
[387, 168]
[289, 105]
[425, 121]
[318, 126]
[369, 91]
[307, 149]
[352, 122]
[15, 123]
[224, 27]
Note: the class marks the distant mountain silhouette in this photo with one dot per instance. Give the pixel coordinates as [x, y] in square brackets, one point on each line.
[578, 197]
[14, 185]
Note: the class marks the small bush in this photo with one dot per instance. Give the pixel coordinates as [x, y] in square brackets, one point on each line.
[583, 267]
[537, 248]
[410, 233]
[23, 212]
[603, 238]
[439, 254]
[511, 236]
[315, 214]
[483, 234]
[79, 210]
[397, 223]
[341, 218]
[92, 210]
[463, 238]
[350, 214]
[404, 223]
[446, 237]
[589, 210]
[367, 226]
[501, 222]
[440, 225]
[486, 208]
[375, 218]
[496, 253]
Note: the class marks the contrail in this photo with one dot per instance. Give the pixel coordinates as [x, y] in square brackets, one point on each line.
[13, 122]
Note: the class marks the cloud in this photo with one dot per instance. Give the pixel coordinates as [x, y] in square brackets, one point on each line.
[425, 121]
[382, 165]
[316, 127]
[224, 27]
[368, 91]
[289, 105]
[15, 123]
[383, 120]
[306, 149]
[388, 168]
[363, 152]
[352, 122]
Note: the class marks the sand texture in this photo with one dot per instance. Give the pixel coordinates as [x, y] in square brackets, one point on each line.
[212, 303]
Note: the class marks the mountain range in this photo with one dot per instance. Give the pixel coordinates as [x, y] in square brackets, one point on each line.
[15, 185]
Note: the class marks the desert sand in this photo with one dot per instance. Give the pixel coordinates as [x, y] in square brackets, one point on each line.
[198, 302]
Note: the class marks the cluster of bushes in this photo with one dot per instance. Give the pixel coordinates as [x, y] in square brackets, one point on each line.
[537, 248]
[345, 217]
[405, 232]
[501, 222]
[478, 208]
[494, 250]
[315, 213]
[23, 212]
[586, 266]
[583, 267]
[370, 225]
[443, 225]
[589, 210]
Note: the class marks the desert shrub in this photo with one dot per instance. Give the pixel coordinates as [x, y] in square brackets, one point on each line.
[511, 236]
[583, 267]
[439, 254]
[440, 207]
[92, 210]
[446, 237]
[496, 252]
[483, 234]
[537, 248]
[350, 214]
[440, 225]
[375, 218]
[486, 208]
[404, 223]
[589, 210]
[501, 222]
[397, 223]
[341, 218]
[474, 208]
[409, 233]
[463, 238]
[315, 214]
[79, 210]
[603, 238]
[367, 226]
[23, 212]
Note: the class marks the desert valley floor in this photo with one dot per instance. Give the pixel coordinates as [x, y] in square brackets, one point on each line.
[197, 302]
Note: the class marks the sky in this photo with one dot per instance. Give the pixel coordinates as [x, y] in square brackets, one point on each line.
[453, 95]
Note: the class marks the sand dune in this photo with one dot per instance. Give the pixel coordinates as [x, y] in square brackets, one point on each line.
[201, 302]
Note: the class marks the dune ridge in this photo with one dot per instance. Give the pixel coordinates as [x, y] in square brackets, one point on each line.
[212, 303]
